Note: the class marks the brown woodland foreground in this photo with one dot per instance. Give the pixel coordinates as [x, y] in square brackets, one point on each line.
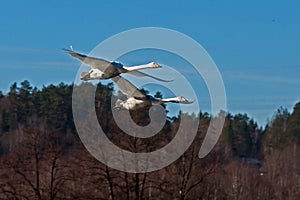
[42, 157]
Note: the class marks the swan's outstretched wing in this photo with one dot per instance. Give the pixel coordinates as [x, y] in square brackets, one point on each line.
[142, 74]
[179, 99]
[93, 62]
[127, 87]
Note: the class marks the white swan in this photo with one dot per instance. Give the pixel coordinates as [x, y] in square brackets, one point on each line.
[137, 100]
[102, 69]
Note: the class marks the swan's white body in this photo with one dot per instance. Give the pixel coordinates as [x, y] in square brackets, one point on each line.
[137, 100]
[102, 69]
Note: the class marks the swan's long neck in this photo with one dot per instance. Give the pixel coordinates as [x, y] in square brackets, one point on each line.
[138, 67]
[178, 99]
[173, 99]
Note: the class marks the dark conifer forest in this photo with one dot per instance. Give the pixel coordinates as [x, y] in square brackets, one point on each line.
[42, 157]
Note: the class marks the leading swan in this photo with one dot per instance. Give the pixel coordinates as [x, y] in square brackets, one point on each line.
[103, 69]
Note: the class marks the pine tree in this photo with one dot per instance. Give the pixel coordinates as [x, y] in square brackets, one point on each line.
[293, 126]
[276, 132]
[13, 106]
[1, 95]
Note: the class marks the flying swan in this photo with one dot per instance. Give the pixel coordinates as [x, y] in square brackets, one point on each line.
[137, 100]
[102, 69]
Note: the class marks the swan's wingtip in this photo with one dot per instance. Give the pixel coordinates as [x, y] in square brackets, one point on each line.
[70, 49]
[67, 50]
[192, 101]
[170, 80]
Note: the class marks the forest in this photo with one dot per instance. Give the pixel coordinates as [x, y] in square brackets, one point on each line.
[42, 157]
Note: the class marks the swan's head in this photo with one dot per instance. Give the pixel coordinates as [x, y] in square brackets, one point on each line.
[183, 100]
[155, 65]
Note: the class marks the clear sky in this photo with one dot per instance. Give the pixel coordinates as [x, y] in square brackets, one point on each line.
[255, 44]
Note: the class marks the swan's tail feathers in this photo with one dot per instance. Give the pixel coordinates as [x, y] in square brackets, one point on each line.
[179, 99]
[142, 74]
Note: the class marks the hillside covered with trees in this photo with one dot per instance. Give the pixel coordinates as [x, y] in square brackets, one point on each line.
[42, 157]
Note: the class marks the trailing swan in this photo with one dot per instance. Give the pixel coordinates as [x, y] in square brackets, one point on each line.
[137, 100]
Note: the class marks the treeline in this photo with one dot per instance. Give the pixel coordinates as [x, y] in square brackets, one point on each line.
[41, 156]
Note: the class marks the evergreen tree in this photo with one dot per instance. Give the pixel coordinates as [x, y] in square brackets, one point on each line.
[25, 104]
[13, 106]
[1, 95]
[244, 136]
[276, 132]
[293, 126]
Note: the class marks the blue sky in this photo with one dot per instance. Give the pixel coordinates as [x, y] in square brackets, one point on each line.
[255, 44]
